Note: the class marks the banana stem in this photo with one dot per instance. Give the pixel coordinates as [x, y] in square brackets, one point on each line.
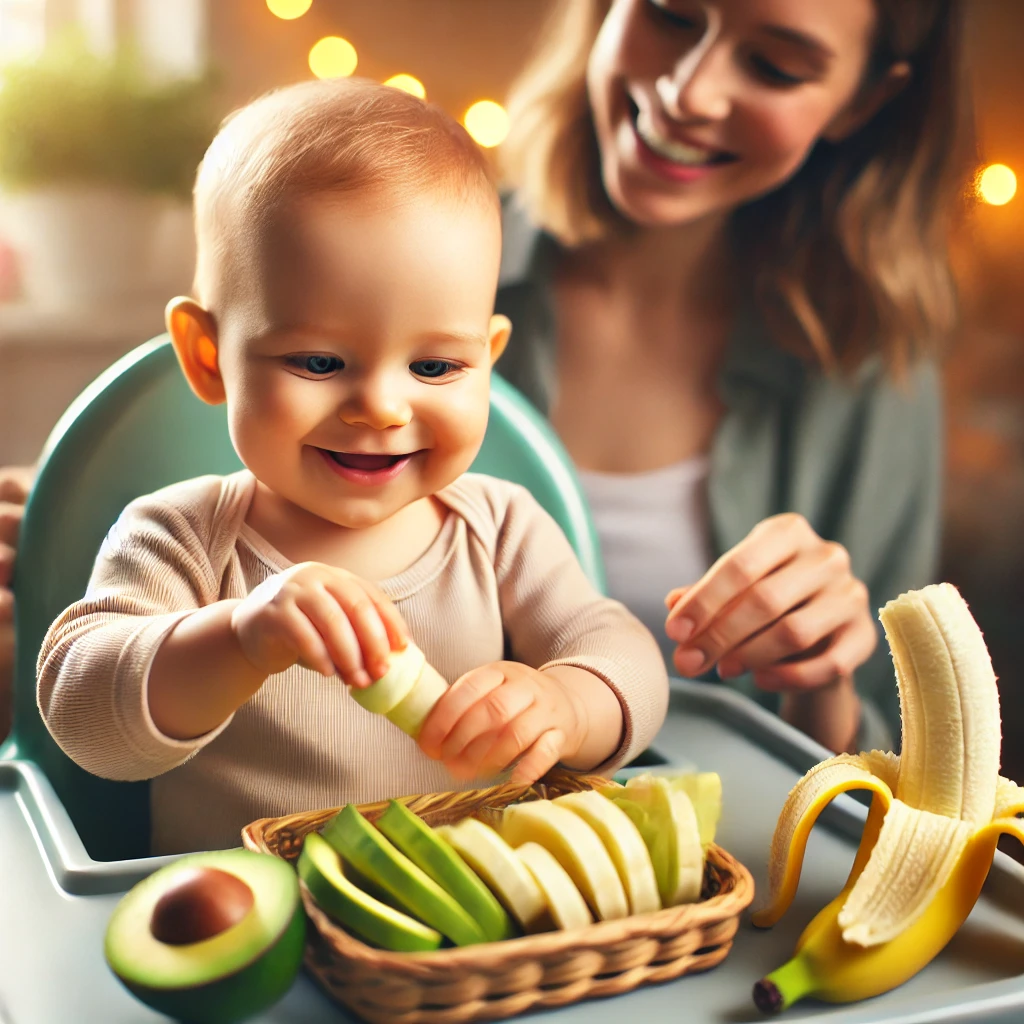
[785, 986]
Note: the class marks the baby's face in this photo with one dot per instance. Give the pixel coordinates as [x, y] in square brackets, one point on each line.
[357, 360]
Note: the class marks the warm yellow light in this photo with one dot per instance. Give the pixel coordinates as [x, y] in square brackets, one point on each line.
[487, 122]
[289, 9]
[997, 184]
[407, 83]
[333, 57]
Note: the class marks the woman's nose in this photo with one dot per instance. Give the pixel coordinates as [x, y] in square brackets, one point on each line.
[698, 86]
[377, 402]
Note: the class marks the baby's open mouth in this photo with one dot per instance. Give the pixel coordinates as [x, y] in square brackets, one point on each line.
[367, 463]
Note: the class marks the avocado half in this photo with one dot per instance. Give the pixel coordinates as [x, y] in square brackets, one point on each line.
[212, 938]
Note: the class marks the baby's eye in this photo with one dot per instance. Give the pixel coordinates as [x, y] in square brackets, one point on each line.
[319, 366]
[432, 368]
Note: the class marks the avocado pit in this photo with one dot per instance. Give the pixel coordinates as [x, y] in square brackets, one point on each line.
[202, 903]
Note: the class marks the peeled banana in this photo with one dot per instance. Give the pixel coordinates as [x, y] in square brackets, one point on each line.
[936, 815]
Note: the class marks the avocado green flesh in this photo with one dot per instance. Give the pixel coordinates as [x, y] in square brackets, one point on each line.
[238, 996]
[437, 858]
[366, 849]
[655, 830]
[139, 959]
[322, 871]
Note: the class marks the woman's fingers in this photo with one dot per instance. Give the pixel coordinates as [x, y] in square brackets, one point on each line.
[771, 544]
[845, 651]
[800, 630]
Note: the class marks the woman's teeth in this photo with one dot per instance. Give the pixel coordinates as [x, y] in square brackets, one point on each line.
[677, 152]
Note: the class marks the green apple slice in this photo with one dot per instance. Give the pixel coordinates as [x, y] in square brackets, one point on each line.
[623, 842]
[668, 823]
[503, 872]
[393, 687]
[568, 907]
[705, 792]
[366, 849]
[576, 847]
[324, 874]
[434, 855]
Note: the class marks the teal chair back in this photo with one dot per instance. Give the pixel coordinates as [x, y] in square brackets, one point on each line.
[135, 429]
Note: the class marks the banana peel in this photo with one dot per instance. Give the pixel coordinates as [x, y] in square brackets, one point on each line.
[936, 815]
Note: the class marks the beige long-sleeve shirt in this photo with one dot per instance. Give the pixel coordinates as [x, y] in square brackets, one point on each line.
[499, 581]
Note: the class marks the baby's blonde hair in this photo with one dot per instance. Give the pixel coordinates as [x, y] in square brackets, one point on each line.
[336, 136]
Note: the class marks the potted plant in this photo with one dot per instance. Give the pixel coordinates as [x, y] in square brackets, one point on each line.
[93, 156]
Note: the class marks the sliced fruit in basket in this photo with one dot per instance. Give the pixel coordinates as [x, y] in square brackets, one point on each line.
[705, 792]
[565, 902]
[576, 847]
[439, 859]
[497, 864]
[322, 870]
[668, 823]
[370, 853]
[623, 842]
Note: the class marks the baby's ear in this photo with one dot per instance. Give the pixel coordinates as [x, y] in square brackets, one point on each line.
[498, 333]
[194, 336]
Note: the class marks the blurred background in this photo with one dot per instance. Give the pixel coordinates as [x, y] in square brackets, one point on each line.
[97, 154]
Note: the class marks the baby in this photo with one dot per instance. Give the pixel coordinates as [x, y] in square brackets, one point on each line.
[348, 247]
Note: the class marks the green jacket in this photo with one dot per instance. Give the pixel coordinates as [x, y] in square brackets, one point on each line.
[860, 457]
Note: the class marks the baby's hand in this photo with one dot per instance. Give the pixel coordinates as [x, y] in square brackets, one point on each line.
[501, 714]
[783, 604]
[321, 617]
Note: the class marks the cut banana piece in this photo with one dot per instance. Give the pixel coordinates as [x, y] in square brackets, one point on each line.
[623, 842]
[505, 874]
[575, 846]
[567, 906]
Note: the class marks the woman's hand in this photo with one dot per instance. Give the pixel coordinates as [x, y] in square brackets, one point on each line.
[502, 714]
[782, 604]
[322, 617]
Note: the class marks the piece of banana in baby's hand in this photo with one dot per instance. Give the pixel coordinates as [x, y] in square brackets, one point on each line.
[407, 692]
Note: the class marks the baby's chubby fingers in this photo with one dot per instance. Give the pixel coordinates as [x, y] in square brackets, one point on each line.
[528, 740]
[462, 695]
[375, 623]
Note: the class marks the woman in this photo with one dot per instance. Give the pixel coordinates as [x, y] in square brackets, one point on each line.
[726, 269]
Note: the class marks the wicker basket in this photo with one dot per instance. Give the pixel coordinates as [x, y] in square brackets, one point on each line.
[500, 979]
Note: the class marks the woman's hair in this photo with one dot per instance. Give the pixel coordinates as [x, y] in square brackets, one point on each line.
[847, 258]
[337, 136]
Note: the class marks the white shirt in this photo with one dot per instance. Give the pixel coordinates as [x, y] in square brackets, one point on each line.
[655, 534]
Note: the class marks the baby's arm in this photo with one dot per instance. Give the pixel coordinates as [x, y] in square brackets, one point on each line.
[152, 571]
[588, 686]
[316, 615]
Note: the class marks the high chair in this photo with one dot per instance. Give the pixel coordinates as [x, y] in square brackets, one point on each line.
[135, 429]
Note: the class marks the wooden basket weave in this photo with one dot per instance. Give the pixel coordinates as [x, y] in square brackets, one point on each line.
[495, 980]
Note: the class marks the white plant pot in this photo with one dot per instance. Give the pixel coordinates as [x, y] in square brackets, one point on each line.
[79, 247]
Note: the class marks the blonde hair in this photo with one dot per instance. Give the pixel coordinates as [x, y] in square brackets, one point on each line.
[335, 136]
[847, 258]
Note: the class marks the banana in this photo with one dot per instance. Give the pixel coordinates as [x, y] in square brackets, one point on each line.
[937, 812]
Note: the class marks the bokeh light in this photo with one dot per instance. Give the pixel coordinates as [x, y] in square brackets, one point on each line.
[333, 57]
[407, 83]
[997, 184]
[289, 9]
[487, 122]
